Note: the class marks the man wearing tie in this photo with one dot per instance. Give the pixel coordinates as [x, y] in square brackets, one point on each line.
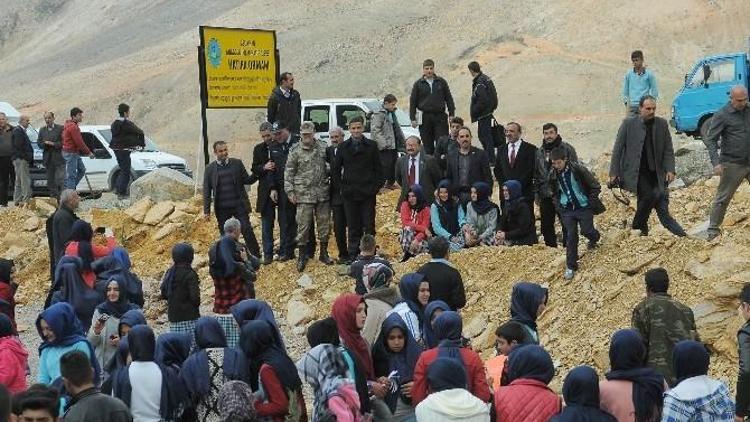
[515, 161]
[336, 136]
[416, 168]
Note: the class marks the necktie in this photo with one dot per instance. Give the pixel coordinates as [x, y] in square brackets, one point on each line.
[512, 155]
[412, 173]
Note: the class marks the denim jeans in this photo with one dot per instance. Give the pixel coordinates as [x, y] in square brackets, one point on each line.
[123, 177]
[74, 169]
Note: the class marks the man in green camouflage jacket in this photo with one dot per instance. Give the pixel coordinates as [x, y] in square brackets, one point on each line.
[662, 322]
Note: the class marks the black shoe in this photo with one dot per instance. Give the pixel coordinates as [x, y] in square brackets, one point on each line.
[266, 260]
[302, 261]
[406, 257]
[283, 258]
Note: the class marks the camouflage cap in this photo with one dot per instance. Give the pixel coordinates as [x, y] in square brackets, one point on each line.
[307, 127]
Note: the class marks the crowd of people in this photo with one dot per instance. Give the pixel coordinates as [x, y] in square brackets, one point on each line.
[386, 352]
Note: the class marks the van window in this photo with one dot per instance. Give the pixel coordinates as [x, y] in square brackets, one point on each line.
[722, 71]
[319, 115]
[344, 113]
[93, 143]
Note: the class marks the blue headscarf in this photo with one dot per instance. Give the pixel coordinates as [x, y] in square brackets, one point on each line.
[524, 302]
[6, 326]
[446, 374]
[172, 349]
[515, 192]
[627, 357]
[131, 318]
[428, 333]
[257, 310]
[482, 205]
[258, 342]
[61, 319]
[448, 328]
[82, 233]
[530, 361]
[73, 290]
[182, 255]
[116, 309]
[133, 286]
[409, 289]
[581, 393]
[405, 360]
[690, 359]
[195, 370]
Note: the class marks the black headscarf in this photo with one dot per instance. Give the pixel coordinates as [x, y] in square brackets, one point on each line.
[530, 361]
[172, 349]
[258, 342]
[323, 331]
[524, 302]
[691, 359]
[182, 255]
[581, 393]
[6, 267]
[482, 205]
[627, 357]
[448, 210]
[448, 327]
[131, 318]
[142, 344]
[419, 195]
[6, 326]
[386, 360]
[409, 289]
[446, 374]
[82, 233]
[116, 309]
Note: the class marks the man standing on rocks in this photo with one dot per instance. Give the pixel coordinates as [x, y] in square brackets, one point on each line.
[285, 104]
[50, 141]
[264, 169]
[6, 162]
[662, 322]
[23, 158]
[643, 162]
[516, 160]
[732, 124]
[224, 185]
[638, 82]
[336, 137]
[386, 132]
[306, 184]
[58, 227]
[431, 95]
[126, 137]
[483, 104]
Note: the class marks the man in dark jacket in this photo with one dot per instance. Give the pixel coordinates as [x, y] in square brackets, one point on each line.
[224, 185]
[285, 104]
[6, 162]
[431, 95]
[416, 168]
[446, 283]
[551, 140]
[58, 228]
[447, 144]
[575, 192]
[516, 160]
[357, 170]
[483, 104]
[643, 162]
[50, 141]
[336, 137]
[23, 158]
[265, 170]
[126, 137]
[87, 403]
[732, 124]
[466, 166]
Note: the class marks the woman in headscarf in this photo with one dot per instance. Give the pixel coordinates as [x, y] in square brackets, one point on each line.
[81, 244]
[431, 312]
[254, 309]
[448, 328]
[394, 356]
[380, 298]
[13, 357]
[8, 287]
[447, 216]
[237, 403]
[211, 365]
[154, 398]
[415, 223]
[528, 398]
[527, 302]
[104, 335]
[696, 397]
[119, 362]
[61, 333]
[349, 311]
[134, 286]
[581, 394]
[130, 319]
[632, 391]
[325, 370]
[75, 291]
[415, 294]
[481, 217]
[516, 225]
[279, 386]
[172, 349]
[181, 288]
[449, 399]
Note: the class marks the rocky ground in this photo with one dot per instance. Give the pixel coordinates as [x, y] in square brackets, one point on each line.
[575, 328]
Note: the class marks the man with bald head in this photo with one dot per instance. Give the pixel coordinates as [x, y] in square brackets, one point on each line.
[732, 163]
[23, 158]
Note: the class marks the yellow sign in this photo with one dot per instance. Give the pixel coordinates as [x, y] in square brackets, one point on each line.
[239, 66]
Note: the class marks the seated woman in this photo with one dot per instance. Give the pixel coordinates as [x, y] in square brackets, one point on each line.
[82, 244]
[447, 217]
[481, 217]
[516, 225]
[105, 323]
[415, 222]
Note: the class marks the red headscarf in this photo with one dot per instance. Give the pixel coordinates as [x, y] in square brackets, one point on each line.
[344, 312]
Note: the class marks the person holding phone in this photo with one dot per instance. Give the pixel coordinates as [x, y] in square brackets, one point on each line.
[104, 334]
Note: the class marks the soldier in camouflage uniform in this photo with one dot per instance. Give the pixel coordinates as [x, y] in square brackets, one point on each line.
[306, 183]
[662, 322]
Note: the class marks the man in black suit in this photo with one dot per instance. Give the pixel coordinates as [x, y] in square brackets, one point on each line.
[224, 185]
[467, 165]
[266, 171]
[416, 168]
[336, 136]
[515, 161]
[357, 170]
[50, 141]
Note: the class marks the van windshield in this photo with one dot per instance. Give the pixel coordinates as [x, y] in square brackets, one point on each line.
[403, 118]
[150, 145]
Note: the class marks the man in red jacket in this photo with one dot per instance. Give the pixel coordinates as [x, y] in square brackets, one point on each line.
[72, 149]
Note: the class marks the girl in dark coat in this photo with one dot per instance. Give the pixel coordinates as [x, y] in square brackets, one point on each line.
[254, 309]
[516, 225]
[581, 394]
[431, 312]
[527, 302]
[181, 288]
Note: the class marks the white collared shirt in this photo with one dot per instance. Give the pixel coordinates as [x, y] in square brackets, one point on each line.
[512, 145]
[416, 166]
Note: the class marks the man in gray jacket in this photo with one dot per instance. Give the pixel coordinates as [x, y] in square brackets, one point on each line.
[386, 132]
[731, 123]
[50, 141]
[643, 162]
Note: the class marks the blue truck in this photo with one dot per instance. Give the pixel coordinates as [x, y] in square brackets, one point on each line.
[706, 89]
